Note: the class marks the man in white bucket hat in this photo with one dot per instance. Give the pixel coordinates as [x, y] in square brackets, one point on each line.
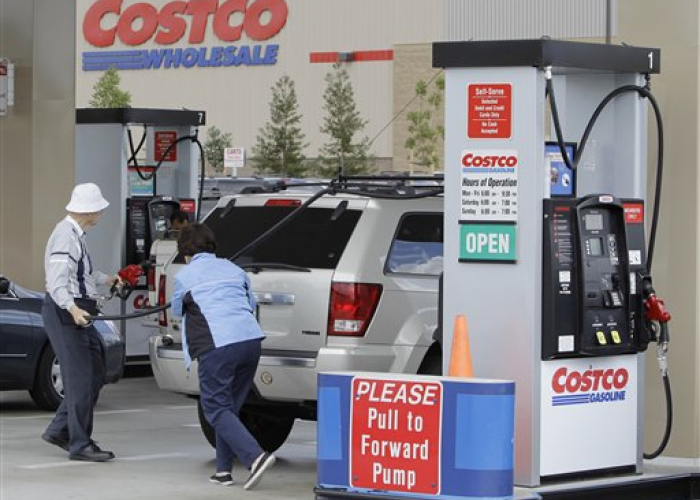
[71, 295]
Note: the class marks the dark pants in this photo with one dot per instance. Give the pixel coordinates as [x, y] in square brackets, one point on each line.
[80, 356]
[225, 378]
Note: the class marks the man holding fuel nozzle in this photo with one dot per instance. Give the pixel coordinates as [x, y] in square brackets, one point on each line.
[71, 296]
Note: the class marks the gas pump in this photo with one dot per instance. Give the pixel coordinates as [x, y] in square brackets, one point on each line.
[545, 248]
[148, 219]
[144, 185]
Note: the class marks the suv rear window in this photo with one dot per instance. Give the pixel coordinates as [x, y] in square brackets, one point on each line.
[314, 239]
[417, 246]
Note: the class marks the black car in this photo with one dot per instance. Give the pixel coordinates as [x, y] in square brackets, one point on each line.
[27, 360]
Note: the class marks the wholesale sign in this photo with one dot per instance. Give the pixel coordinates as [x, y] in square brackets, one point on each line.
[395, 435]
[107, 22]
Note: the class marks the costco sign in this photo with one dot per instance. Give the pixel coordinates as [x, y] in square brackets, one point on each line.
[107, 22]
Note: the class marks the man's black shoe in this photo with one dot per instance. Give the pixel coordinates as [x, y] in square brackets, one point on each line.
[93, 446]
[56, 441]
[87, 454]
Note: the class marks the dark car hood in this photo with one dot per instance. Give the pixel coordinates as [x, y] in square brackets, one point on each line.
[23, 293]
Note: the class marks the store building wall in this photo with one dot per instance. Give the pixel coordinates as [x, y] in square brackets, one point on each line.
[37, 136]
[508, 20]
[673, 26]
[413, 63]
[237, 99]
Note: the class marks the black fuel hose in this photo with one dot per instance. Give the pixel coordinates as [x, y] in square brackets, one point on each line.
[136, 151]
[644, 92]
[340, 185]
[669, 420]
[334, 188]
[286, 220]
[140, 314]
[146, 177]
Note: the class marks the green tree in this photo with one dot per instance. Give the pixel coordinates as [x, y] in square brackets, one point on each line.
[106, 92]
[342, 123]
[214, 146]
[280, 143]
[425, 134]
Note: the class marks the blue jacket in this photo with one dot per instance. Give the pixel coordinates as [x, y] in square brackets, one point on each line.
[214, 297]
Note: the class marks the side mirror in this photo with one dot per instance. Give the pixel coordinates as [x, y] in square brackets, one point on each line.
[4, 286]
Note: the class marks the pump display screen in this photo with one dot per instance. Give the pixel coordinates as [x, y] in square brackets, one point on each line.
[593, 222]
[596, 246]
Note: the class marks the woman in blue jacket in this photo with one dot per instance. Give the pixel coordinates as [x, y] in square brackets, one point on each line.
[220, 331]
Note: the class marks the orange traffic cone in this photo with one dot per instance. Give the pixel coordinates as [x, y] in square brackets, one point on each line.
[460, 357]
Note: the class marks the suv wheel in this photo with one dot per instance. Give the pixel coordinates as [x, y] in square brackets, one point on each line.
[270, 432]
[47, 392]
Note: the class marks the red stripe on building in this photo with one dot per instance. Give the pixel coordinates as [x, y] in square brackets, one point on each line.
[357, 56]
[324, 57]
[373, 55]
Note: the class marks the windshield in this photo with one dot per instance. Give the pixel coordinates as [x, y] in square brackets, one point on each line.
[316, 238]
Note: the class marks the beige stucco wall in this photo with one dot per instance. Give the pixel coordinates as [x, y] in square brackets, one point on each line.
[411, 63]
[236, 99]
[674, 27]
[37, 137]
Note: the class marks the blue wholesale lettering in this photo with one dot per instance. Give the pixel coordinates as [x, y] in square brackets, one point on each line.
[203, 57]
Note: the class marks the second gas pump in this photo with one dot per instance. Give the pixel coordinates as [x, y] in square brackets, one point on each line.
[147, 163]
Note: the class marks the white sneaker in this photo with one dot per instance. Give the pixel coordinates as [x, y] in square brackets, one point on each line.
[261, 464]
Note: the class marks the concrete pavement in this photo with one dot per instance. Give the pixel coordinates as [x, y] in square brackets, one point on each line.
[160, 450]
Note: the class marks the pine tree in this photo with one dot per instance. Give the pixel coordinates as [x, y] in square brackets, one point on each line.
[424, 135]
[342, 122]
[280, 143]
[106, 92]
[214, 146]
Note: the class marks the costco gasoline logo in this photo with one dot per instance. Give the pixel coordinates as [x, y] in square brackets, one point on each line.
[236, 23]
[572, 387]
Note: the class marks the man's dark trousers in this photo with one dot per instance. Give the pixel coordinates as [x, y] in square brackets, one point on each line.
[80, 355]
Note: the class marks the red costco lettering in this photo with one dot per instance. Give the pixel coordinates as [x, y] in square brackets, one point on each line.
[472, 160]
[590, 380]
[141, 22]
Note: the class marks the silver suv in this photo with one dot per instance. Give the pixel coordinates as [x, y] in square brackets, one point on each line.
[350, 284]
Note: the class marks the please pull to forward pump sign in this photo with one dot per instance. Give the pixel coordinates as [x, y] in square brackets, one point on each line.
[395, 435]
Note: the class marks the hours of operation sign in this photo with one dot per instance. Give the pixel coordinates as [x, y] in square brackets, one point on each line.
[489, 185]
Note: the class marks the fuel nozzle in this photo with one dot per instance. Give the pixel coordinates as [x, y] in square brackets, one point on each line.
[130, 277]
[655, 311]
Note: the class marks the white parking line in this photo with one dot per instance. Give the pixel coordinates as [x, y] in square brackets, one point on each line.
[54, 465]
[51, 415]
[118, 412]
[30, 417]
[156, 456]
[135, 458]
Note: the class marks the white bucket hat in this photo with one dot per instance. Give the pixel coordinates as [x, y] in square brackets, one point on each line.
[86, 198]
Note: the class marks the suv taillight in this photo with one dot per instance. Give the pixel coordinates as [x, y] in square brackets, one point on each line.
[162, 316]
[351, 308]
